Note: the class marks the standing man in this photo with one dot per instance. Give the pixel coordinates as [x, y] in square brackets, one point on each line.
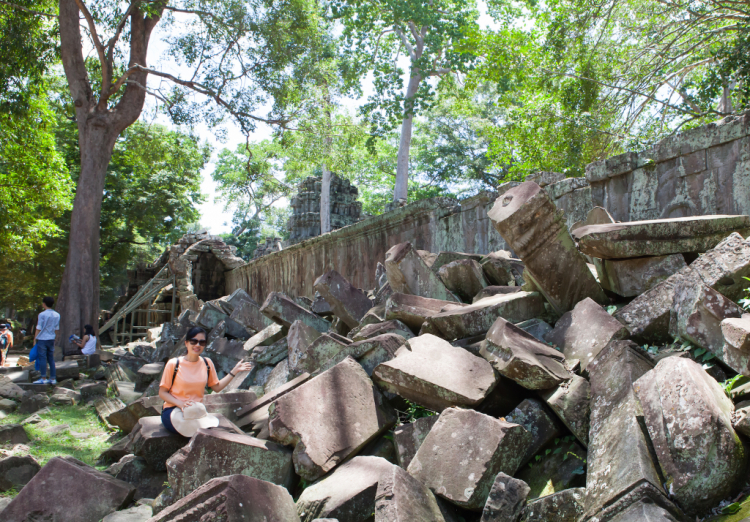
[47, 328]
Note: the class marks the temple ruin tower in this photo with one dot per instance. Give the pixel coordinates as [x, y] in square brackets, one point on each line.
[305, 220]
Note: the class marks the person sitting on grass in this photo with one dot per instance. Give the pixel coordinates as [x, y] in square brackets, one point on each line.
[183, 385]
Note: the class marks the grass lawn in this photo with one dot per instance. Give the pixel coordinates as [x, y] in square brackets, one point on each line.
[44, 446]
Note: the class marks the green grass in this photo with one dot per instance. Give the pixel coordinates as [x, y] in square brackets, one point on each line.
[44, 446]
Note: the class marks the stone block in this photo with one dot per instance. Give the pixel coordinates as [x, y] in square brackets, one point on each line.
[658, 237]
[520, 357]
[393, 326]
[128, 416]
[155, 444]
[697, 313]
[8, 406]
[368, 488]
[570, 401]
[299, 338]
[723, 269]
[408, 274]
[136, 472]
[463, 453]
[215, 453]
[285, 311]
[501, 269]
[332, 426]
[535, 327]
[314, 355]
[368, 353]
[689, 419]
[67, 370]
[431, 372]
[477, 318]
[491, 291]
[9, 389]
[736, 332]
[90, 391]
[16, 471]
[96, 494]
[539, 421]
[443, 258]
[271, 355]
[105, 407]
[407, 438]
[632, 277]
[248, 315]
[33, 403]
[621, 470]
[565, 506]
[278, 376]
[147, 374]
[528, 220]
[348, 303]
[584, 331]
[238, 498]
[140, 513]
[228, 404]
[506, 499]
[464, 278]
[562, 468]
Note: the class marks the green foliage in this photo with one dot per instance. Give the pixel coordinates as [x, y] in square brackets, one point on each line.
[413, 412]
[730, 384]
[745, 301]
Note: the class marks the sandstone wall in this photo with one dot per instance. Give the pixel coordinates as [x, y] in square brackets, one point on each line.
[701, 171]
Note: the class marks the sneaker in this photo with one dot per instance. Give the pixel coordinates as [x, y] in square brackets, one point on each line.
[41, 381]
[52, 382]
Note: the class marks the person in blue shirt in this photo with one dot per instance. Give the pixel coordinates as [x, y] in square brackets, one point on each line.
[47, 328]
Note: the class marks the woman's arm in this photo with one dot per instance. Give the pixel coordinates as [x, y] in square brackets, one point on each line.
[171, 399]
[240, 367]
[81, 342]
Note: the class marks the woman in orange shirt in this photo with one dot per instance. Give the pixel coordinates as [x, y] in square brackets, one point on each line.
[187, 385]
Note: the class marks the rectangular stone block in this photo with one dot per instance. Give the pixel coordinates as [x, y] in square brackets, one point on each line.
[408, 273]
[284, 311]
[632, 277]
[348, 303]
[413, 310]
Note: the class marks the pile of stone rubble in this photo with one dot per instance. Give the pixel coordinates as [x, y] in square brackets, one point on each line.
[542, 384]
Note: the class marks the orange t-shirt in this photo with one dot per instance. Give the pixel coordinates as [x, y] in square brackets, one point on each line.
[191, 379]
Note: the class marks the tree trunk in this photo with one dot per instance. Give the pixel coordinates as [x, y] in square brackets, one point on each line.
[325, 201]
[78, 301]
[401, 190]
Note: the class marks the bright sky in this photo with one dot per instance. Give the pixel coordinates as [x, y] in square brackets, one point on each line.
[213, 216]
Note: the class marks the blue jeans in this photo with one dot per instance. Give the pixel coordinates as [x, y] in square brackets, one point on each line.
[46, 350]
[166, 419]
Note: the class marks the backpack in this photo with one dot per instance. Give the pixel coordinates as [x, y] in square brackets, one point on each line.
[177, 366]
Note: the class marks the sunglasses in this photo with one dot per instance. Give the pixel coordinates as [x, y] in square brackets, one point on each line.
[196, 341]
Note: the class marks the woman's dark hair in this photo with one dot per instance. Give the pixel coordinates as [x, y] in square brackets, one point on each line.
[194, 331]
[89, 330]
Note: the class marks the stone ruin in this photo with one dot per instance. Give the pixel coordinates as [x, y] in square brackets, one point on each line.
[304, 222]
[540, 383]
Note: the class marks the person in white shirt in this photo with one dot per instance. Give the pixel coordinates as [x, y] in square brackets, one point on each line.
[47, 328]
[88, 341]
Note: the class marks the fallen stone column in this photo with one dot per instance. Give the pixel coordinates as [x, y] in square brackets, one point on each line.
[528, 220]
[348, 303]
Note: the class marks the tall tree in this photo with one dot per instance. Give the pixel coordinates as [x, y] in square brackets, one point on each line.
[379, 31]
[234, 54]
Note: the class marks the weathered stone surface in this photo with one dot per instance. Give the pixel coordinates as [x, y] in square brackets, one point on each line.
[477, 318]
[435, 374]
[409, 274]
[214, 453]
[697, 313]
[136, 472]
[273, 354]
[519, 356]
[565, 506]
[134, 514]
[562, 468]
[464, 452]
[127, 417]
[407, 438]
[316, 353]
[535, 327]
[369, 353]
[504, 398]
[248, 315]
[278, 376]
[413, 310]
[70, 370]
[8, 406]
[736, 332]
[348, 303]
[539, 421]
[632, 277]
[643, 511]
[92, 390]
[238, 498]
[227, 404]
[658, 237]
[464, 278]
[33, 403]
[387, 327]
[147, 374]
[155, 444]
[570, 401]
[96, 494]
[502, 270]
[443, 258]
[689, 419]
[9, 389]
[300, 336]
[620, 469]
[596, 216]
[491, 291]
[17, 471]
[723, 268]
[584, 331]
[326, 426]
[13, 434]
[528, 220]
[285, 311]
[506, 500]
[362, 488]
